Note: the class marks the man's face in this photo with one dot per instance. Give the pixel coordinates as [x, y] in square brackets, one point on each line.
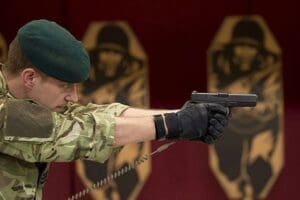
[53, 94]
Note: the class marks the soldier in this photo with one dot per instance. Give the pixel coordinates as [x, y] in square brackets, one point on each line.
[115, 74]
[246, 64]
[41, 122]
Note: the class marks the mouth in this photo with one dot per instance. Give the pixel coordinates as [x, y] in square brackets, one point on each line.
[60, 108]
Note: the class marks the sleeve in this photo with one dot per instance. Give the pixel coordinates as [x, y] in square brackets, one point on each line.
[34, 134]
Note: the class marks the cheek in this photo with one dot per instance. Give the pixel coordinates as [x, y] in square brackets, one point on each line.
[53, 95]
[57, 97]
[49, 95]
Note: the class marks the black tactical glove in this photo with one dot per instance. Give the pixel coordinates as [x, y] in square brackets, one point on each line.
[218, 120]
[204, 122]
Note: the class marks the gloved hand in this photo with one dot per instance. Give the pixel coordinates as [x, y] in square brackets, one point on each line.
[204, 122]
[217, 121]
[197, 121]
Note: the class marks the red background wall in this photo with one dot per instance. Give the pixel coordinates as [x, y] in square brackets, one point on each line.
[176, 34]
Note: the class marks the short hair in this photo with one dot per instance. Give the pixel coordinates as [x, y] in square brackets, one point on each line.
[16, 61]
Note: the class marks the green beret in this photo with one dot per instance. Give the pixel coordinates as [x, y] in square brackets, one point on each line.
[54, 50]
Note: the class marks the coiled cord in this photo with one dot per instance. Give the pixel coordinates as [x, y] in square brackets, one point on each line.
[119, 172]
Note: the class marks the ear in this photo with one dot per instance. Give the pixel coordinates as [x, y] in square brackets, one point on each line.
[29, 77]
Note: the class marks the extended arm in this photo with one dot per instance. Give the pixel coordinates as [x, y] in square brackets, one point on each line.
[33, 133]
[129, 129]
[137, 112]
[204, 122]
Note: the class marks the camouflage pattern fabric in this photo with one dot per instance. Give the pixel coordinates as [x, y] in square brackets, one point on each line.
[81, 132]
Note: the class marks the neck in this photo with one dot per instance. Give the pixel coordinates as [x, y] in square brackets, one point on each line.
[14, 84]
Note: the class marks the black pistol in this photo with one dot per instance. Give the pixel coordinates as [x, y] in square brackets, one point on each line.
[225, 99]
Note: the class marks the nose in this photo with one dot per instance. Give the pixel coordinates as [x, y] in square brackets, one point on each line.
[72, 95]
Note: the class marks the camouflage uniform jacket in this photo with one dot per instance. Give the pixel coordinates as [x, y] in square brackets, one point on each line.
[31, 137]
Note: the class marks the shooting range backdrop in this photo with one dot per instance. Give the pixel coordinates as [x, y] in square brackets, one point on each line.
[176, 35]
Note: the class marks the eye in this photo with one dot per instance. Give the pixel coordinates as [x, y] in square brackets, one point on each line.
[68, 87]
[64, 85]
